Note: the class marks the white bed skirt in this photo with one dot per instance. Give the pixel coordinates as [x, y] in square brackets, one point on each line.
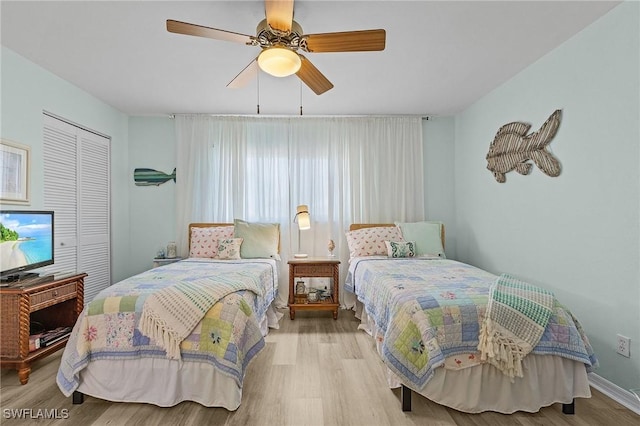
[548, 380]
[161, 382]
[165, 382]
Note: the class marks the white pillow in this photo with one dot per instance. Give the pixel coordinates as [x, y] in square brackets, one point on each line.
[260, 240]
[427, 235]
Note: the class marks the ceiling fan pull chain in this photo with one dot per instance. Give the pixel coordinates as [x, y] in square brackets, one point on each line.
[258, 92]
[300, 97]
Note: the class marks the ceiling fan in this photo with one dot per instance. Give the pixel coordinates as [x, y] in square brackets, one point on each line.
[280, 38]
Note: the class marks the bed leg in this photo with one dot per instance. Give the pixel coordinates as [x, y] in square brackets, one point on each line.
[569, 408]
[78, 397]
[405, 397]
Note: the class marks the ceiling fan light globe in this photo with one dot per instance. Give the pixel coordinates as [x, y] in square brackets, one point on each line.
[279, 61]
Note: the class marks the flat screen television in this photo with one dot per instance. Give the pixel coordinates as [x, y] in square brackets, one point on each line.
[26, 242]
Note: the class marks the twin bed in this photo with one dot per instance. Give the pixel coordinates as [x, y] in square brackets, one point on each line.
[225, 296]
[428, 313]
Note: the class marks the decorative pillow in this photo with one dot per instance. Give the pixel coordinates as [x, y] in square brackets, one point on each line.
[229, 248]
[370, 241]
[204, 240]
[261, 240]
[427, 235]
[401, 248]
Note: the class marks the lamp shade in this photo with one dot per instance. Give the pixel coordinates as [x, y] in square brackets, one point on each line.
[303, 218]
[279, 61]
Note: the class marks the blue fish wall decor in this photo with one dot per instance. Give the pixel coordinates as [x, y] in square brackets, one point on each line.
[512, 148]
[151, 177]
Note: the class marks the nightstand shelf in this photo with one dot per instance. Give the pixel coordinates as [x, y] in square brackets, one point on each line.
[313, 267]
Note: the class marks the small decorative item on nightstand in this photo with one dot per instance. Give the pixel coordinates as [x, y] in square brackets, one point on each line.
[313, 295]
[171, 250]
[301, 292]
[331, 246]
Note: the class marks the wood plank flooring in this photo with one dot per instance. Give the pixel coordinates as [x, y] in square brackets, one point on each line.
[313, 371]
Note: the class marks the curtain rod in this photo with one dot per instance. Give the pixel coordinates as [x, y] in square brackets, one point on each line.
[423, 116]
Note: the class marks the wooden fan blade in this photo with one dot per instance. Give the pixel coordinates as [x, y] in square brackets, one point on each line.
[248, 73]
[179, 27]
[348, 41]
[279, 14]
[312, 77]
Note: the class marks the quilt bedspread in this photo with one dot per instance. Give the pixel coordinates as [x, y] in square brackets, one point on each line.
[428, 310]
[228, 336]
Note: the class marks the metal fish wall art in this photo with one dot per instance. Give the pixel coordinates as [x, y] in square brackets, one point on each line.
[151, 177]
[512, 148]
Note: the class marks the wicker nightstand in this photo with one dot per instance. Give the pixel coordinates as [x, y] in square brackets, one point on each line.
[327, 267]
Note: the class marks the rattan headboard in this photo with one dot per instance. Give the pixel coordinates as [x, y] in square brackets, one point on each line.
[213, 225]
[355, 226]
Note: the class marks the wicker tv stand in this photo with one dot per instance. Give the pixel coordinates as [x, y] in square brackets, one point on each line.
[52, 301]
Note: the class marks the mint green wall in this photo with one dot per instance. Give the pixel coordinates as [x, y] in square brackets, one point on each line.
[439, 139]
[27, 90]
[152, 217]
[576, 234]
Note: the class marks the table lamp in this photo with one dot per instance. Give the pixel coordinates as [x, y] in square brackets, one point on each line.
[304, 222]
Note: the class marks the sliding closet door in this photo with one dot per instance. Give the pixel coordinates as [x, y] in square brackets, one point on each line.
[76, 188]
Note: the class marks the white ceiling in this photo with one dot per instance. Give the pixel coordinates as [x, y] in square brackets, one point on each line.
[440, 56]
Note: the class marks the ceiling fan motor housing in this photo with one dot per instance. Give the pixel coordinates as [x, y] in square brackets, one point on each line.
[268, 37]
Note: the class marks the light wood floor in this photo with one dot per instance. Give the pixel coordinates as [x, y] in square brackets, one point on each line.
[313, 371]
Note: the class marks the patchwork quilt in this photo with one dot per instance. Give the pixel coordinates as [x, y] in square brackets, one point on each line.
[430, 311]
[228, 336]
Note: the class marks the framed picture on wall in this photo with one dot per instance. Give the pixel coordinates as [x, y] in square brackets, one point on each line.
[14, 172]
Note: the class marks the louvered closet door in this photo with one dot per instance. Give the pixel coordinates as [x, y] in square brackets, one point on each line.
[60, 191]
[77, 188]
[93, 201]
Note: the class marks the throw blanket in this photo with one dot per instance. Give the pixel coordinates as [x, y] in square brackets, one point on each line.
[517, 315]
[170, 314]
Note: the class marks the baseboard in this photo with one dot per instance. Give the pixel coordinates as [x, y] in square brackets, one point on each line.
[615, 392]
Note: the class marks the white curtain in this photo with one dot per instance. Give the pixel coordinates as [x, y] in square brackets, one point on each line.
[346, 169]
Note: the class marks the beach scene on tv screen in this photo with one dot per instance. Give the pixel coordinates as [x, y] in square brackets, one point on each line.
[25, 239]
